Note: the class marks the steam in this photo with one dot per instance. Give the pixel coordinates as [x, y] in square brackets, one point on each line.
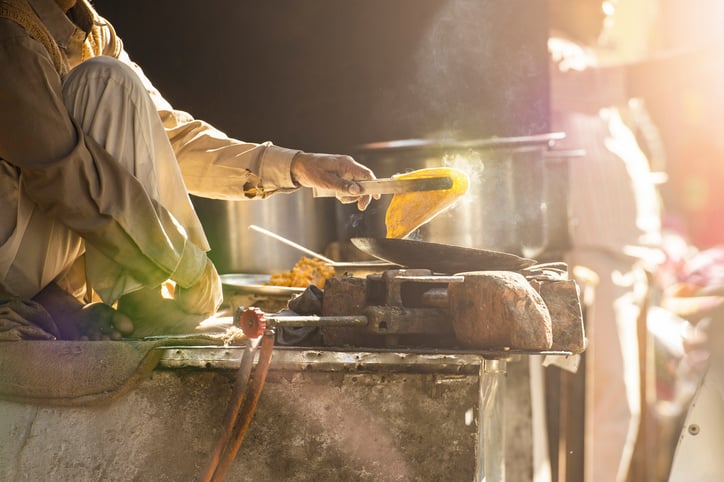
[452, 62]
[472, 164]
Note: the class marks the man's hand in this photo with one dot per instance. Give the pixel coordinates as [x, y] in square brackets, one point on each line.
[333, 172]
[205, 296]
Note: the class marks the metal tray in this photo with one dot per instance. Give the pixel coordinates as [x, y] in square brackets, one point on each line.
[254, 283]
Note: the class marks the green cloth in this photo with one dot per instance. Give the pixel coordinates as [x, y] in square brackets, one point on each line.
[25, 320]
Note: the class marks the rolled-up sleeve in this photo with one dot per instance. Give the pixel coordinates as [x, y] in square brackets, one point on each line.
[216, 166]
[72, 178]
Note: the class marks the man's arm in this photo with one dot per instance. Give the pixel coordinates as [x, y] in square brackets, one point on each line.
[216, 166]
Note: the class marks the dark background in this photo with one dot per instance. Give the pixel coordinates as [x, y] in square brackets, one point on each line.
[327, 75]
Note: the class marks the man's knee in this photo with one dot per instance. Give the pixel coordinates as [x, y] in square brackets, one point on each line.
[97, 75]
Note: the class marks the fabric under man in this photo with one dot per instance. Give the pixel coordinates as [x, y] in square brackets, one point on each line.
[96, 167]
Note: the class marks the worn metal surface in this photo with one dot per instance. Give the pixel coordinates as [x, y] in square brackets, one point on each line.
[345, 296]
[490, 460]
[495, 309]
[518, 424]
[395, 360]
[535, 309]
[323, 360]
[563, 301]
[344, 426]
[398, 319]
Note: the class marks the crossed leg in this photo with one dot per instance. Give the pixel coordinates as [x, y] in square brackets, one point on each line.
[111, 105]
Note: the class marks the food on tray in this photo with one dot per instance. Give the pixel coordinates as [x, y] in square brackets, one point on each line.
[409, 211]
[307, 271]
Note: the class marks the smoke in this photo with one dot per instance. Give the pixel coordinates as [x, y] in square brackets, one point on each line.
[451, 63]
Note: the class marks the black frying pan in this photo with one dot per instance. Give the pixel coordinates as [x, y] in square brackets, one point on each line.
[440, 258]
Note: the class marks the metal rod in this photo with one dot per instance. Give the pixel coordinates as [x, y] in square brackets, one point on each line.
[395, 186]
[291, 243]
[314, 320]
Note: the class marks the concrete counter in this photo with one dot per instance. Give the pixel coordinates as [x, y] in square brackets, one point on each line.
[322, 416]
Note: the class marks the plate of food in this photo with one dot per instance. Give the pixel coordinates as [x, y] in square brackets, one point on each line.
[307, 271]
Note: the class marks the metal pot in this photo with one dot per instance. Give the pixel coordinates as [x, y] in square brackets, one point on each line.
[556, 200]
[504, 209]
[237, 249]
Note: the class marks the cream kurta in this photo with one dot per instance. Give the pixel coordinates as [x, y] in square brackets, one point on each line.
[51, 167]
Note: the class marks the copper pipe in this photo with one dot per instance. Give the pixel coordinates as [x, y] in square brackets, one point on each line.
[241, 388]
[247, 409]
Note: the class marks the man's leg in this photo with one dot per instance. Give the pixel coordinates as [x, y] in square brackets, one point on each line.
[42, 277]
[39, 255]
[112, 106]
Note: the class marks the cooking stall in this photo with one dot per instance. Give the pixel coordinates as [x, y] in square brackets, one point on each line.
[415, 366]
[409, 382]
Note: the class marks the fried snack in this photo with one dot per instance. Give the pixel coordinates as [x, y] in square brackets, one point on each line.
[307, 271]
[408, 211]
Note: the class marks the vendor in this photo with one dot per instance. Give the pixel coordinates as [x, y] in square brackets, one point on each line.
[96, 168]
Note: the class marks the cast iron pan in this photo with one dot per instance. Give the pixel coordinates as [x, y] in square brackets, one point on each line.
[440, 258]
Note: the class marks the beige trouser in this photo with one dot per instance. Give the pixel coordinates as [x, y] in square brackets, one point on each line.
[612, 365]
[111, 105]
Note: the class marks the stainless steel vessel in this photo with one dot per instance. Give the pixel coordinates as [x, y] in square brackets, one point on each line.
[237, 249]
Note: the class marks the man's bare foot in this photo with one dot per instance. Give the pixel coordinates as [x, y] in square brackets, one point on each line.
[100, 321]
[154, 315]
[75, 321]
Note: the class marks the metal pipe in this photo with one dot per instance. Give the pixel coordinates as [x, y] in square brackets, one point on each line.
[490, 460]
[314, 320]
[246, 412]
[241, 386]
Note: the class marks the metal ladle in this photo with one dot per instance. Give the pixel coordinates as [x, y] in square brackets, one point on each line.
[360, 267]
[291, 243]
